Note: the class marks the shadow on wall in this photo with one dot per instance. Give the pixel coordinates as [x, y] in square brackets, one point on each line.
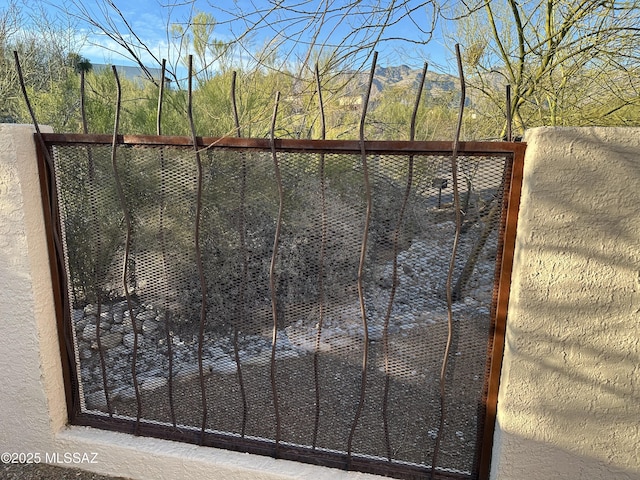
[553, 463]
[572, 363]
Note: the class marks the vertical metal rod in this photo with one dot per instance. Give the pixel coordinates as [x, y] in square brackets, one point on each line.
[23, 87]
[363, 254]
[234, 104]
[198, 251]
[509, 118]
[161, 98]
[323, 242]
[127, 248]
[83, 110]
[163, 245]
[323, 125]
[272, 272]
[43, 146]
[57, 244]
[456, 240]
[103, 365]
[414, 115]
[245, 260]
[394, 281]
[97, 243]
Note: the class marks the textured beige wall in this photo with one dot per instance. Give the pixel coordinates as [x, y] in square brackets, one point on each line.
[569, 404]
[28, 393]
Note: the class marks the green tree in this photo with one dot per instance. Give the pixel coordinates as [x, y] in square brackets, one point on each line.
[9, 26]
[46, 47]
[210, 55]
[562, 58]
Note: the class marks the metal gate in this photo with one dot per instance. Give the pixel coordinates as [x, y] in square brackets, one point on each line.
[319, 301]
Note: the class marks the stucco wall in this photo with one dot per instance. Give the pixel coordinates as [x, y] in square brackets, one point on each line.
[29, 370]
[569, 403]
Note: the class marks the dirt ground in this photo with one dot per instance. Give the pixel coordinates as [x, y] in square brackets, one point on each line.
[43, 471]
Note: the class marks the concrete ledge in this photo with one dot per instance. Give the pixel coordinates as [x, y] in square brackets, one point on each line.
[149, 458]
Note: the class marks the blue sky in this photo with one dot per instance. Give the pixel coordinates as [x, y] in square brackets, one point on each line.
[149, 19]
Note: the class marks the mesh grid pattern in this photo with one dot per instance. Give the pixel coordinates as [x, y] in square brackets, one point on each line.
[355, 366]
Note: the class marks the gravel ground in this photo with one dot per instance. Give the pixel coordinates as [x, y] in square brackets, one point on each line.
[42, 471]
[413, 407]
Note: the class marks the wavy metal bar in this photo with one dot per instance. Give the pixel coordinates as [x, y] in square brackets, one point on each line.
[272, 272]
[74, 403]
[30, 108]
[363, 254]
[198, 251]
[161, 98]
[163, 247]
[234, 105]
[83, 110]
[43, 146]
[509, 117]
[394, 278]
[127, 248]
[245, 261]
[97, 244]
[448, 287]
[323, 242]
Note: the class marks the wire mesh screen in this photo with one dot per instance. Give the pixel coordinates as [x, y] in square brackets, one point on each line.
[295, 304]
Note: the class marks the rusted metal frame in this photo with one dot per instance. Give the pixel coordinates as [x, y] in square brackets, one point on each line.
[198, 250]
[509, 225]
[272, 273]
[59, 282]
[382, 147]
[404, 148]
[448, 287]
[482, 404]
[323, 242]
[245, 261]
[363, 254]
[127, 246]
[320, 457]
